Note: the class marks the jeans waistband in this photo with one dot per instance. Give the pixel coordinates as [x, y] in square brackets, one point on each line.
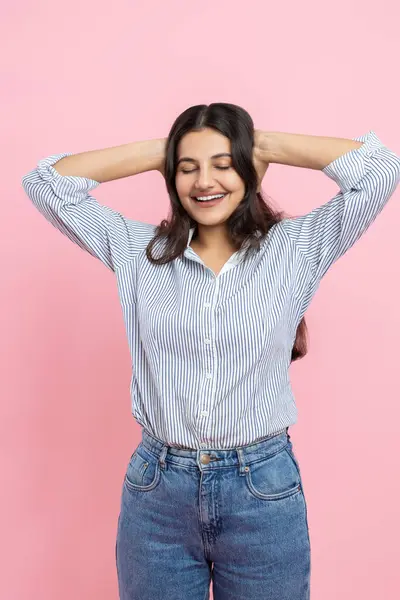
[214, 458]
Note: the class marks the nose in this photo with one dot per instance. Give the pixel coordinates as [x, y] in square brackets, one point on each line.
[204, 180]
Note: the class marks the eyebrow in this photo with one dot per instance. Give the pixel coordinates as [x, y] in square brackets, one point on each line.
[192, 160]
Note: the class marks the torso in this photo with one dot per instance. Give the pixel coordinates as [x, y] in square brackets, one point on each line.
[219, 344]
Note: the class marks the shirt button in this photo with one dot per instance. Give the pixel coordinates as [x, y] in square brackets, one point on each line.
[203, 445]
[207, 341]
[204, 413]
[208, 376]
[207, 305]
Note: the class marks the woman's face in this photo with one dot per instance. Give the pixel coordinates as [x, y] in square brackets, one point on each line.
[205, 169]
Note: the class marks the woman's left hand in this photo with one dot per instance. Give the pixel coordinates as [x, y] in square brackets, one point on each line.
[259, 156]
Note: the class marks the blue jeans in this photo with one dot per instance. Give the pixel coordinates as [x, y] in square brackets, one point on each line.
[236, 518]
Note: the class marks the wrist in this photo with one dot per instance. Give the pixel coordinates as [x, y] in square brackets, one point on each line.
[158, 151]
[265, 146]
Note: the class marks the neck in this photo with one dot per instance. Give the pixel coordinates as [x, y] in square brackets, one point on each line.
[210, 238]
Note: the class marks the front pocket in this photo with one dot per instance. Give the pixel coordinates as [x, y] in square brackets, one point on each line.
[274, 478]
[143, 472]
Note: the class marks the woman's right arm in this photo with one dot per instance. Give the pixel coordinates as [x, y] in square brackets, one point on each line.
[59, 188]
[116, 162]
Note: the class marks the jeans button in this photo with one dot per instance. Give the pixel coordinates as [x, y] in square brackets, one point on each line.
[205, 459]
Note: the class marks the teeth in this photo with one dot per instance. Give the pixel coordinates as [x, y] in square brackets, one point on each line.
[206, 198]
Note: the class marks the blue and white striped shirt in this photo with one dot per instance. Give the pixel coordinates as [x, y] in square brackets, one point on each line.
[211, 354]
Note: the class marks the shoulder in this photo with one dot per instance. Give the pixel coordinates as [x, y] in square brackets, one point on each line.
[139, 232]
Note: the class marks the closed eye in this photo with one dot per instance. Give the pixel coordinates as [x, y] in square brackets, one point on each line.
[193, 170]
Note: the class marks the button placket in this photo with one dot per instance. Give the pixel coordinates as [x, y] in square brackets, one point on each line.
[213, 336]
[211, 376]
[210, 366]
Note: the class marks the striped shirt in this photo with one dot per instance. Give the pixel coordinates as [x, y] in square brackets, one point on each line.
[211, 354]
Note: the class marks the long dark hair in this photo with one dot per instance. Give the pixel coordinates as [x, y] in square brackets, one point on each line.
[251, 220]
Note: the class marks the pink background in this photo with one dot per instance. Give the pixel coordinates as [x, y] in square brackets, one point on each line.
[79, 76]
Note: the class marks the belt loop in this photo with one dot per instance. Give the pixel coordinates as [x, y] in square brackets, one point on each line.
[163, 454]
[242, 462]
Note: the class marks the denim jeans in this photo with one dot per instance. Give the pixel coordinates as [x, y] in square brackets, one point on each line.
[236, 518]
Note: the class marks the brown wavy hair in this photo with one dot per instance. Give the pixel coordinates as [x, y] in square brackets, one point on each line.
[250, 222]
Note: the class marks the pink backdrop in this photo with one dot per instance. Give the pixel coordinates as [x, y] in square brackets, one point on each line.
[79, 76]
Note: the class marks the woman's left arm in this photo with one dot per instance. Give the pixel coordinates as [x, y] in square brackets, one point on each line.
[367, 174]
[297, 150]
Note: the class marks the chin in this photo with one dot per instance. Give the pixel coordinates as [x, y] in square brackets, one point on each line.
[210, 221]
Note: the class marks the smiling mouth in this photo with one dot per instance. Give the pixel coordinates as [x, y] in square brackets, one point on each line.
[208, 199]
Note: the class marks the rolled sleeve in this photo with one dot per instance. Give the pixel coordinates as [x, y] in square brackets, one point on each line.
[66, 202]
[350, 168]
[367, 178]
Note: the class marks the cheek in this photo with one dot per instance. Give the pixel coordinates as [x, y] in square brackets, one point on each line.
[182, 187]
[235, 184]
[238, 191]
[183, 190]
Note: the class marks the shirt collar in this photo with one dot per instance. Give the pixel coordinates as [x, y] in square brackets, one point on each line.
[190, 236]
[191, 233]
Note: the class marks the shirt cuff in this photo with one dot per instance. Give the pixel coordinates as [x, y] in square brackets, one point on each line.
[351, 167]
[78, 186]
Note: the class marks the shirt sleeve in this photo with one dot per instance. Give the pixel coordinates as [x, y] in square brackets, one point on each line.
[367, 177]
[66, 203]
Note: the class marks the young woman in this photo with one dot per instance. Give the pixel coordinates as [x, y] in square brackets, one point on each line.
[214, 302]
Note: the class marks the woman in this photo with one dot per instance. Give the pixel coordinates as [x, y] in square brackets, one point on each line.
[214, 302]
